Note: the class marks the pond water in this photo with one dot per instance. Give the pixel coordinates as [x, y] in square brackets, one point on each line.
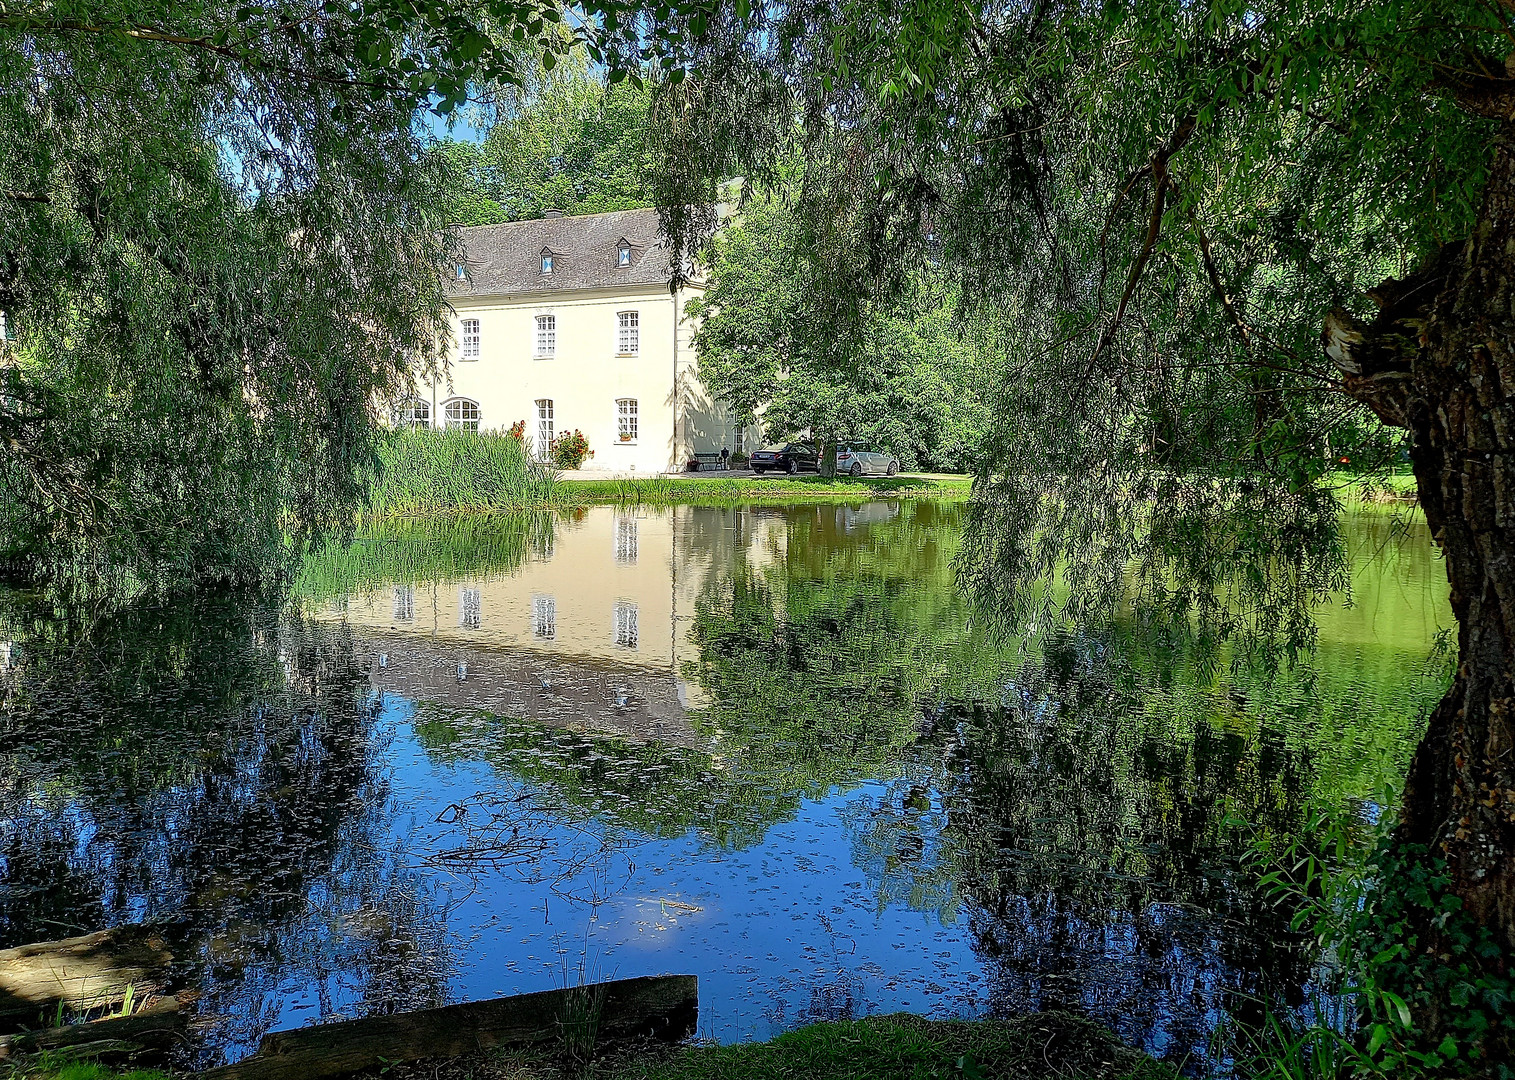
[765, 745]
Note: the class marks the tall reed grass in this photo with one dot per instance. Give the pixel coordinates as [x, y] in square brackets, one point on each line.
[453, 471]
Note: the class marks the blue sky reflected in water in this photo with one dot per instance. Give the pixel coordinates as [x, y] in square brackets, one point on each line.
[760, 745]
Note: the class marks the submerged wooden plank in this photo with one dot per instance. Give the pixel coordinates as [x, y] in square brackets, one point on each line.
[157, 1027]
[662, 1005]
[88, 972]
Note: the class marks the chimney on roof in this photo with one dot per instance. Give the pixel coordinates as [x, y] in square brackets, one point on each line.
[552, 213]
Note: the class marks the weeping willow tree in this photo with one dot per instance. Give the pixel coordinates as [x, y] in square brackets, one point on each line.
[222, 240]
[1236, 241]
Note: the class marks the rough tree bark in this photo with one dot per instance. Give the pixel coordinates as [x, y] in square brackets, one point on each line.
[1439, 360]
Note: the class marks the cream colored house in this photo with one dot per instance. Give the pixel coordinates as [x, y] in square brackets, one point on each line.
[570, 323]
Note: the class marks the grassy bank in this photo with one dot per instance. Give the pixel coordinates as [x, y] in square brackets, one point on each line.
[51, 1067]
[429, 473]
[904, 1047]
[721, 490]
[1382, 490]
[898, 1047]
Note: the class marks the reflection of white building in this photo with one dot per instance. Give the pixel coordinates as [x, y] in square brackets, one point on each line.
[592, 630]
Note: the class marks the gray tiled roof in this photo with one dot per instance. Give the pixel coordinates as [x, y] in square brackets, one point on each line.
[507, 259]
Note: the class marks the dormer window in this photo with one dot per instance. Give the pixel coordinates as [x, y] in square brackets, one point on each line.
[546, 260]
[462, 272]
[623, 254]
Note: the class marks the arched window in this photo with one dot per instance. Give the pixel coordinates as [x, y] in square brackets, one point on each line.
[415, 413]
[461, 413]
[626, 419]
[547, 336]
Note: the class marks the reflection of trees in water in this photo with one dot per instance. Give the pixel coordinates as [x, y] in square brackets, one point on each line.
[434, 549]
[1087, 820]
[201, 765]
[1094, 840]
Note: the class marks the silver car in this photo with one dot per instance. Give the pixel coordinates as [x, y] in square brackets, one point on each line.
[860, 458]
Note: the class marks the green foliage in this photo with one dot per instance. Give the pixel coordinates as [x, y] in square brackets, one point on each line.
[1158, 202]
[454, 470]
[216, 272]
[570, 449]
[572, 143]
[59, 1066]
[1405, 979]
[913, 383]
[1370, 902]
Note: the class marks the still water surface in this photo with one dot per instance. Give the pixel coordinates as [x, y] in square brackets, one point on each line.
[762, 745]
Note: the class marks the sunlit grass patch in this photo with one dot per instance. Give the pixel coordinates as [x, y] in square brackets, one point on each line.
[59, 1067]
[722, 490]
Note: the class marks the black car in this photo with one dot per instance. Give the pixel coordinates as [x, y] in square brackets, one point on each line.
[790, 458]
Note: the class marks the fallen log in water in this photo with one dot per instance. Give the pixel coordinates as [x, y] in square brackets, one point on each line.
[662, 1005]
[156, 1027]
[81, 973]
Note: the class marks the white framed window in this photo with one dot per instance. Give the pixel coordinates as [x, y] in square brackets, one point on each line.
[628, 334]
[405, 603]
[625, 625]
[470, 340]
[462, 272]
[461, 413]
[738, 432]
[544, 427]
[544, 617]
[547, 336]
[415, 413]
[623, 254]
[626, 419]
[546, 260]
[625, 539]
[470, 609]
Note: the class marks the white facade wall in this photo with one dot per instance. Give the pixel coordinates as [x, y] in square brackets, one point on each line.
[587, 374]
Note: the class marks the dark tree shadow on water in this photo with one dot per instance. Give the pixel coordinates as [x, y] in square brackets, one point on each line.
[205, 766]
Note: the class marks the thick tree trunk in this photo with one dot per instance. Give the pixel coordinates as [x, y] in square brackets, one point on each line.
[1439, 360]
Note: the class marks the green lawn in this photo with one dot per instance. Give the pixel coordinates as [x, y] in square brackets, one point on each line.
[1398, 487]
[725, 489]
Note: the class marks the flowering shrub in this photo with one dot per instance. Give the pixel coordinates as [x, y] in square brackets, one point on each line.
[570, 449]
[518, 431]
